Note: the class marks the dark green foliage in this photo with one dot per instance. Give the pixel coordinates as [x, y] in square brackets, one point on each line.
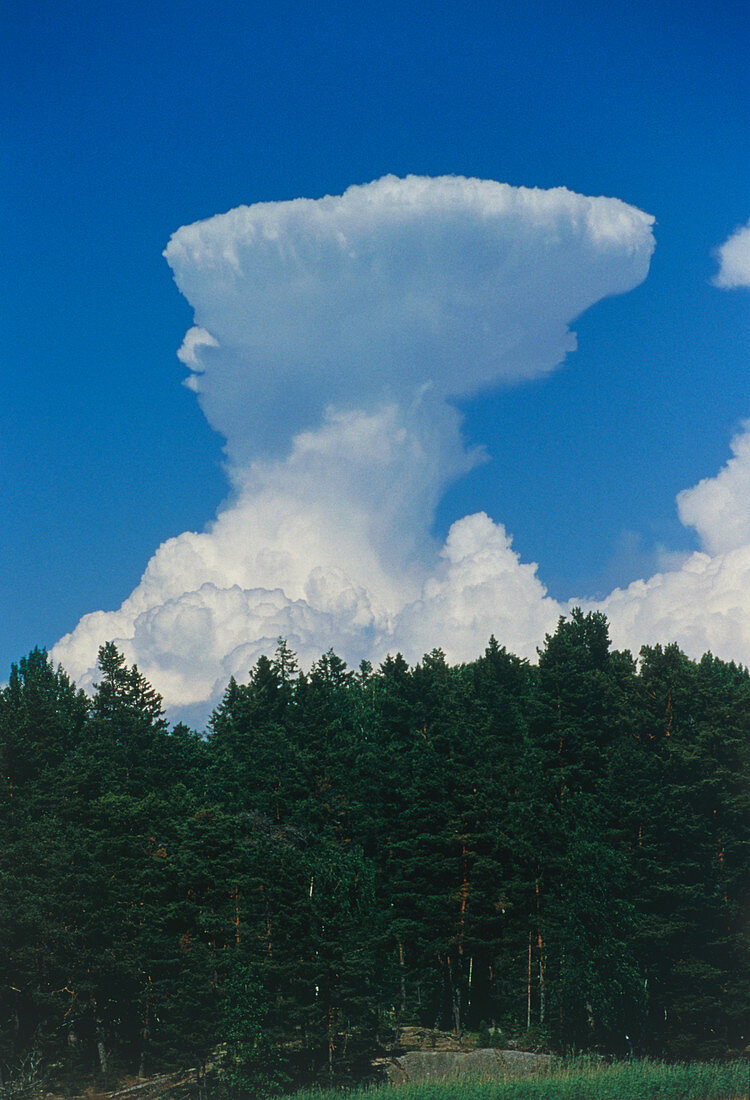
[247, 1063]
[563, 848]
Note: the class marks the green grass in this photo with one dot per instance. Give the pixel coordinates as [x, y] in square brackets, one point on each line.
[580, 1079]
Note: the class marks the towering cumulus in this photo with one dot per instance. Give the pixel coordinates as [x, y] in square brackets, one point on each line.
[330, 336]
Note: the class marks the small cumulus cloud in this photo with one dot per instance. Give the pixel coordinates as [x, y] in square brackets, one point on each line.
[719, 507]
[734, 260]
[189, 352]
[330, 337]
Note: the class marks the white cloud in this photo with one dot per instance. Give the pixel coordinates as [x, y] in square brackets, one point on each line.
[479, 588]
[189, 351]
[329, 336]
[324, 547]
[719, 507]
[703, 605]
[452, 282]
[734, 260]
[703, 601]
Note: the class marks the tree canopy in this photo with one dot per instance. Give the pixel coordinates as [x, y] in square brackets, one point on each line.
[561, 850]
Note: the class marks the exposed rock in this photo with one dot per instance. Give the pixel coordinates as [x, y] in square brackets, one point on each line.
[487, 1063]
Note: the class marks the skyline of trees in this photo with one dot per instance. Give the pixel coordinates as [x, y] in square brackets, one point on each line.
[561, 850]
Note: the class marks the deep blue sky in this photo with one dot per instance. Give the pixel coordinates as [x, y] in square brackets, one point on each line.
[124, 121]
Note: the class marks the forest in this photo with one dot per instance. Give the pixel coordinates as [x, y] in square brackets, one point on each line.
[556, 852]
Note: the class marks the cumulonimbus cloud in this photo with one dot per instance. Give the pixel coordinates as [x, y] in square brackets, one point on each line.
[329, 338]
[449, 283]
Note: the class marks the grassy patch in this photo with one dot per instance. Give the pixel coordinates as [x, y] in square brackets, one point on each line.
[581, 1079]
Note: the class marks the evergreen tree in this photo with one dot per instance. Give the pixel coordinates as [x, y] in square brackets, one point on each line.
[563, 846]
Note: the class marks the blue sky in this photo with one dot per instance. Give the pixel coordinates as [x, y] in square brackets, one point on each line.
[124, 122]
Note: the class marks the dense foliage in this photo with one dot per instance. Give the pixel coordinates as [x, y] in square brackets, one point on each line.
[561, 850]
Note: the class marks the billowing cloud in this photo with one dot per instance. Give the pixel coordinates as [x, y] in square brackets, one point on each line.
[704, 601]
[719, 507]
[479, 587]
[734, 260]
[323, 547]
[703, 605]
[329, 338]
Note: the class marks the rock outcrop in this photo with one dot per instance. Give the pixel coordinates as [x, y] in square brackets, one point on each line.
[488, 1063]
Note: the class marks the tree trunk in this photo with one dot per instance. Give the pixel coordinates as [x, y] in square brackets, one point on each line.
[100, 1046]
[236, 897]
[464, 895]
[542, 980]
[145, 1034]
[402, 965]
[540, 947]
[331, 1044]
[528, 985]
[102, 1052]
[454, 989]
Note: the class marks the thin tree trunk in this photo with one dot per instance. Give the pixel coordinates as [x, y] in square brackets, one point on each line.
[528, 986]
[237, 914]
[455, 995]
[102, 1052]
[540, 947]
[269, 940]
[542, 981]
[402, 965]
[99, 1034]
[331, 1043]
[441, 1004]
[464, 901]
[145, 1034]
